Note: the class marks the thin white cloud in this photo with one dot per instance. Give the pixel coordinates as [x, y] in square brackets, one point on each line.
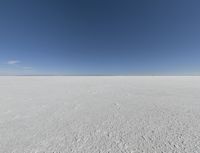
[13, 62]
[16, 66]
[27, 68]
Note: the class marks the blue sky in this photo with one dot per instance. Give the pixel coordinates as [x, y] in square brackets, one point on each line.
[107, 37]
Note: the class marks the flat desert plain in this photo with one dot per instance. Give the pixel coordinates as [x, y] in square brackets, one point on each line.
[100, 114]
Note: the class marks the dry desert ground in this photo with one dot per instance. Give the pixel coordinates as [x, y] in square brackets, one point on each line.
[99, 114]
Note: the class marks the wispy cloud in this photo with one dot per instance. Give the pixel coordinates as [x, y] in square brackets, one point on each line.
[13, 62]
[16, 67]
[27, 68]
[17, 64]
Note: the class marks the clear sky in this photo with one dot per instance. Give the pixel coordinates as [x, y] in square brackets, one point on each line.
[88, 37]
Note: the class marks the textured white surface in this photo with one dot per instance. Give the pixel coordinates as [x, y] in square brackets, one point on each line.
[99, 114]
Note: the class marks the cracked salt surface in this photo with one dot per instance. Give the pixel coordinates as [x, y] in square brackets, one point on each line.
[99, 114]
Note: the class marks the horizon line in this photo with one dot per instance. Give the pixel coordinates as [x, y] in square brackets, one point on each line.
[94, 75]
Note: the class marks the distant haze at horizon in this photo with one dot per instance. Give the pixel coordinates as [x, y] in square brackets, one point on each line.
[107, 37]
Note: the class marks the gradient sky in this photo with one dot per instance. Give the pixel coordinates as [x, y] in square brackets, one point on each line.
[118, 37]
